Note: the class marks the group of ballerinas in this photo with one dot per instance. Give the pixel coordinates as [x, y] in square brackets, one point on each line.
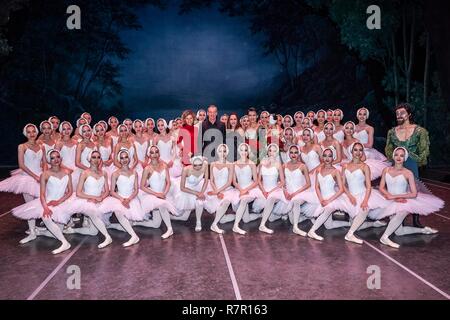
[315, 167]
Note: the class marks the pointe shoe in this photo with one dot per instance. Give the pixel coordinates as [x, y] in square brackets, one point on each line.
[265, 229]
[68, 230]
[239, 230]
[168, 233]
[215, 228]
[65, 246]
[314, 236]
[297, 230]
[28, 238]
[353, 238]
[133, 240]
[284, 218]
[198, 228]
[428, 230]
[386, 241]
[105, 243]
[378, 224]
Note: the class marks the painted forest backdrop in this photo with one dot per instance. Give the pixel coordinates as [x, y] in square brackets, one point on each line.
[326, 55]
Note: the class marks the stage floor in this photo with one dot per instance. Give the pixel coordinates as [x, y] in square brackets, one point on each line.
[206, 265]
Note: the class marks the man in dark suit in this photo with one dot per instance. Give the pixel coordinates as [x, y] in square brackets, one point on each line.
[213, 134]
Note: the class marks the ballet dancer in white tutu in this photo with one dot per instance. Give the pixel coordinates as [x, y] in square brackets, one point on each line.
[46, 138]
[54, 120]
[288, 121]
[68, 149]
[330, 113]
[77, 134]
[271, 182]
[297, 189]
[338, 115]
[362, 197]
[191, 194]
[399, 187]
[376, 166]
[318, 131]
[84, 149]
[129, 123]
[220, 194]
[331, 141]
[92, 189]
[104, 145]
[25, 180]
[245, 181]
[149, 130]
[288, 139]
[141, 144]
[310, 152]
[329, 190]
[123, 200]
[125, 142]
[154, 195]
[113, 132]
[166, 144]
[53, 203]
[364, 133]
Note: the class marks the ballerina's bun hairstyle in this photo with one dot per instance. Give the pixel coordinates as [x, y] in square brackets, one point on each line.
[401, 148]
[134, 123]
[89, 157]
[356, 143]
[333, 152]
[351, 122]
[164, 122]
[227, 150]
[112, 117]
[150, 148]
[24, 131]
[311, 132]
[363, 108]
[197, 159]
[342, 113]
[332, 125]
[84, 125]
[147, 121]
[299, 112]
[49, 152]
[273, 145]
[65, 122]
[41, 125]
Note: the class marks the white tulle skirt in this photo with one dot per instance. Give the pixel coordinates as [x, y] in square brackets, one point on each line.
[285, 206]
[185, 201]
[375, 203]
[150, 202]
[86, 207]
[21, 183]
[372, 153]
[134, 212]
[260, 202]
[314, 209]
[34, 210]
[176, 170]
[212, 203]
[423, 204]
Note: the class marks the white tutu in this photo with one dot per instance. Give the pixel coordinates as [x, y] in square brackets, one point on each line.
[212, 203]
[177, 168]
[423, 204]
[150, 202]
[21, 183]
[186, 201]
[277, 194]
[372, 153]
[375, 203]
[285, 206]
[134, 213]
[34, 210]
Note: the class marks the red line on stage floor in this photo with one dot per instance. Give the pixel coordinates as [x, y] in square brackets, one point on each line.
[5, 213]
[55, 271]
[447, 296]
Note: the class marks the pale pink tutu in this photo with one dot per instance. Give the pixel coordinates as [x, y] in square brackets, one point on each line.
[86, 207]
[423, 204]
[314, 209]
[260, 203]
[150, 202]
[212, 203]
[376, 167]
[176, 170]
[372, 153]
[34, 210]
[21, 183]
[134, 213]
[375, 203]
[285, 206]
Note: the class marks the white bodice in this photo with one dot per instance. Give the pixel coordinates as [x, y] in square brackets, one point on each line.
[251, 134]
[327, 185]
[115, 139]
[68, 156]
[141, 150]
[93, 187]
[220, 176]
[157, 181]
[194, 183]
[55, 188]
[320, 136]
[294, 179]
[356, 181]
[48, 147]
[311, 159]
[339, 136]
[165, 150]
[84, 156]
[32, 160]
[125, 185]
[396, 185]
[244, 176]
[105, 152]
[269, 177]
[362, 136]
